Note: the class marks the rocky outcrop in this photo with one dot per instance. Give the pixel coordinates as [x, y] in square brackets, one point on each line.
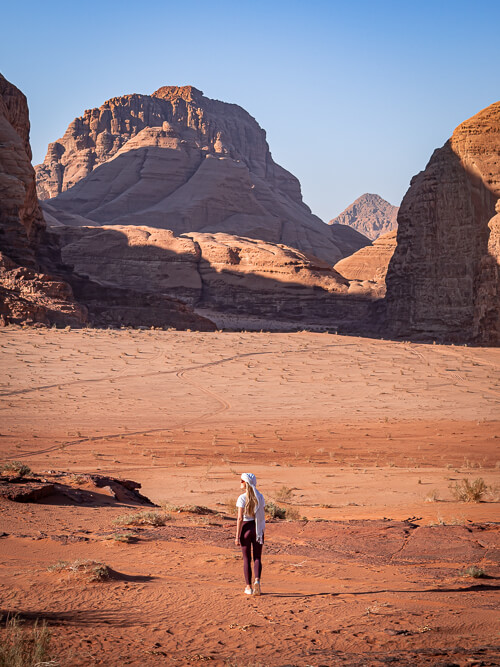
[370, 215]
[178, 160]
[215, 273]
[81, 488]
[27, 293]
[369, 265]
[30, 297]
[443, 279]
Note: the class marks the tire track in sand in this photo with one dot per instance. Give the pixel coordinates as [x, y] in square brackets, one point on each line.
[223, 406]
[208, 364]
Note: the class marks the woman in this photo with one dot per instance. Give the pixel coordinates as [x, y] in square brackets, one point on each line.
[250, 530]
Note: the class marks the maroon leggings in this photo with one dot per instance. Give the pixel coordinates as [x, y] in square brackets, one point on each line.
[248, 540]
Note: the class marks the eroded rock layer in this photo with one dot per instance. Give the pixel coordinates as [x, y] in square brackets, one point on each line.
[443, 279]
[370, 215]
[178, 160]
[215, 272]
[369, 265]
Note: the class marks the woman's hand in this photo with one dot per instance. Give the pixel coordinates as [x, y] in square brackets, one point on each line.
[237, 541]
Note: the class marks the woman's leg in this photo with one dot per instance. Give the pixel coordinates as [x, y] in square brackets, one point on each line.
[257, 558]
[246, 550]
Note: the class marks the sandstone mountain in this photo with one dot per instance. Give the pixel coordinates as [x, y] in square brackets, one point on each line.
[220, 274]
[370, 215]
[443, 279]
[178, 160]
[27, 293]
[369, 265]
[34, 282]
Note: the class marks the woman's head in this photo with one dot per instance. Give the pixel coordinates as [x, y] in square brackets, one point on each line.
[249, 478]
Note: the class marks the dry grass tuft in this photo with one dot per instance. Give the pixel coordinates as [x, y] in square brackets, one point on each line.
[284, 495]
[432, 496]
[469, 492]
[25, 647]
[92, 569]
[149, 518]
[230, 505]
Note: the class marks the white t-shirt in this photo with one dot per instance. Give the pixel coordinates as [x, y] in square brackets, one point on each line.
[241, 502]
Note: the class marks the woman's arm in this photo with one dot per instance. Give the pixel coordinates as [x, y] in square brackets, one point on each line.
[239, 523]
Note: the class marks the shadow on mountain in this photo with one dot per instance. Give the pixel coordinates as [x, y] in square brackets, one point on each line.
[236, 284]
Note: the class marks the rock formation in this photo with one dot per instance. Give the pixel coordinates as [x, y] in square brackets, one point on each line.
[27, 294]
[369, 265]
[178, 160]
[34, 282]
[443, 279]
[370, 215]
[216, 273]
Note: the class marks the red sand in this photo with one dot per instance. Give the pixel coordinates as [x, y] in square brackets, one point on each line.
[360, 429]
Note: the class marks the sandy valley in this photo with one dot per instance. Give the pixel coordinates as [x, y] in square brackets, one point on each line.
[368, 437]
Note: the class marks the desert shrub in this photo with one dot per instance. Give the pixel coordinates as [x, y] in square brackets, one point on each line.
[275, 511]
[469, 492]
[127, 537]
[96, 571]
[170, 507]
[92, 569]
[143, 519]
[22, 647]
[474, 571]
[292, 514]
[78, 479]
[16, 468]
[284, 495]
[197, 509]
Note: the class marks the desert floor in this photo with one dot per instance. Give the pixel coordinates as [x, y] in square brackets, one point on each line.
[369, 436]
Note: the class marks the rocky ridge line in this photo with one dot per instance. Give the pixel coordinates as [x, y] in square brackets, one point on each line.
[370, 215]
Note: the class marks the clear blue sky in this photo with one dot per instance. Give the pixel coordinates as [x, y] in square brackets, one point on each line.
[354, 95]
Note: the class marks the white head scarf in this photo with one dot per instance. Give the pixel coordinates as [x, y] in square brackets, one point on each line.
[249, 478]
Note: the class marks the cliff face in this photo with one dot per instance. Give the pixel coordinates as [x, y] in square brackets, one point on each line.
[27, 293]
[443, 279]
[370, 215]
[178, 160]
[21, 219]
